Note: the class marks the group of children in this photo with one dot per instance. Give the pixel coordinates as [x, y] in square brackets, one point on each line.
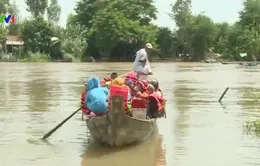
[96, 97]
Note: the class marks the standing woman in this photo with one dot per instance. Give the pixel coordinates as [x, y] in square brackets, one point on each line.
[142, 54]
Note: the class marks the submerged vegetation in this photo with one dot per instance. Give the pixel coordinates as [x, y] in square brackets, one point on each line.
[253, 126]
[115, 30]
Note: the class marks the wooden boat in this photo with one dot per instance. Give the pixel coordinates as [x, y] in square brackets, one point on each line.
[118, 129]
[145, 153]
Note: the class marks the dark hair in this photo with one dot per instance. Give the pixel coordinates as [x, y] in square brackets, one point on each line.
[114, 75]
[155, 83]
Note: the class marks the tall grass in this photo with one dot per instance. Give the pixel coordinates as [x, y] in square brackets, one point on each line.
[253, 125]
[8, 58]
[35, 57]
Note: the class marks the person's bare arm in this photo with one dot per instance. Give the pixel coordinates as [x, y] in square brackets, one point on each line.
[142, 73]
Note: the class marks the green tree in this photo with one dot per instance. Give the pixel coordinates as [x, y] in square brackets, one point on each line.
[220, 43]
[204, 34]
[86, 9]
[14, 29]
[196, 34]
[167, 42]
[116, 26]
[53, 12]
[250, 15]
[36, 35]
[181, 14]
[71, 42]
[36, 7]
[4, 6]
[71, 20]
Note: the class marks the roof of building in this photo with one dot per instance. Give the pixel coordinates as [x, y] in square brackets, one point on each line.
[14, 40]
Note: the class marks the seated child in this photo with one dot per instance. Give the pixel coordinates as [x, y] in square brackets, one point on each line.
[158, 94]
[112, 77]
[131, 77]
[155, 84]
[141, 89]
[108, 80]
[152, 94]
[96, 97]
[130, 81]
[153, 102]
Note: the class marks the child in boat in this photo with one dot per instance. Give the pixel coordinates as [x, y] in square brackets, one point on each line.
[155, 107]
[155, 84]
[158, 93]
[108, 80]
[96, 97]
[131, 81]
[131, 77]
[141, 89]
[112, 77]
[144, 70]
[150, 89]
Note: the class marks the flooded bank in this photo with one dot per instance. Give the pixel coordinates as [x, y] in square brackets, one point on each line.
[198, 130]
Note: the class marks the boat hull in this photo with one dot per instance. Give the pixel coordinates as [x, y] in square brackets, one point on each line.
[118, 129]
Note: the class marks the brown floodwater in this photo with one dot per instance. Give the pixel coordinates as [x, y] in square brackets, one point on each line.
[197, 131]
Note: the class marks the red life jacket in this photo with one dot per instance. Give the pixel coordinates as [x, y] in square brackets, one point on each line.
[144, 95]
[143, 84]
[131, 76]
[161, 98]
[119, 90]
[159, 104]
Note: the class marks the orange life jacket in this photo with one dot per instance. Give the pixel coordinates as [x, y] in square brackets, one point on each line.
[84, 109]
[157, 99]
[144, 95]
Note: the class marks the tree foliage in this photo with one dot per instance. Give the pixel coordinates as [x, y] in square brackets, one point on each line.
[14, 29]
[36, 7]
[117, 29]
[53, 12]
[36, 35]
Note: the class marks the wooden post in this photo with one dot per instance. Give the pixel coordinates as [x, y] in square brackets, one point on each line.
[223, 94]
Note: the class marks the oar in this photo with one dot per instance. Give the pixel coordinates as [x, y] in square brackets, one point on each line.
[60, 124]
